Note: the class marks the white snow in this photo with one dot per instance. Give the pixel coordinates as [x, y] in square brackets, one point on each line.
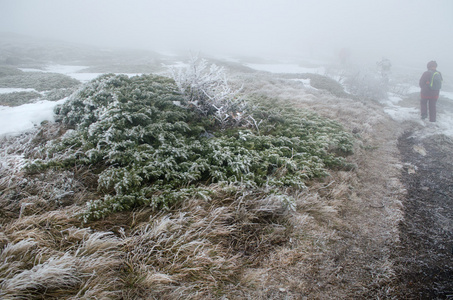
[71, 71]
[394, 99]
[18, 119]
[177, 65]
[74, 72]
[444, 120]
[64, 69]
[399, 113]
[413, 89]
[448, 95]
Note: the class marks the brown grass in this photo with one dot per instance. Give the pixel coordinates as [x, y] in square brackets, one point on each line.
[235, 245]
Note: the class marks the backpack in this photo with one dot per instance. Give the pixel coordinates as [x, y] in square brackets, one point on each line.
[436, 81]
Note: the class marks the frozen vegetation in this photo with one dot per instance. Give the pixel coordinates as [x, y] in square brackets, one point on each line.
[200, 181]
[155, 142]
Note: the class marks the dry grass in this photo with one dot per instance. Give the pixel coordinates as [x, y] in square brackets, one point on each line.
[45, 252]
[199, 251]
[47, 256]
[346, 226]
[235, 245]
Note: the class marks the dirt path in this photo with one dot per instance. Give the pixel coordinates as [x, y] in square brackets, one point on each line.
[397, 242]
[424, 262]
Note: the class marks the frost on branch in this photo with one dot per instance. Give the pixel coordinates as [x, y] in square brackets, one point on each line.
[207, 91]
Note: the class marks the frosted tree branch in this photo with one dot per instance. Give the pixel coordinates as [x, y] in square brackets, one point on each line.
[207, 91]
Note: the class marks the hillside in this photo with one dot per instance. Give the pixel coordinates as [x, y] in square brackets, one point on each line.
[370, 219]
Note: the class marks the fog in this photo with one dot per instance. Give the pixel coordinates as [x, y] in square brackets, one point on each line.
[406, 31]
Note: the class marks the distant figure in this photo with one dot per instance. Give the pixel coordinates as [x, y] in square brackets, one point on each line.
[430, 85]
[384, 66]
[344, 55]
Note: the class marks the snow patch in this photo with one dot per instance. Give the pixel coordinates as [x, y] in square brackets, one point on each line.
[177, 65]
[413, 89]
[401, 114]
[448, 95]
[64, 69]
[18, 119]
[74, 72]
[445, 123]
[61, 69]
[392, 99]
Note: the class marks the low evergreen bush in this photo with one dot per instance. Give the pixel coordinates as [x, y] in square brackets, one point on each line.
[150, 149]
[38, 80]
[58, 94]
[9, 71]
[18, 98]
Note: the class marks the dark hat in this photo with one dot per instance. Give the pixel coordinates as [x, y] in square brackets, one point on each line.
[432, 64]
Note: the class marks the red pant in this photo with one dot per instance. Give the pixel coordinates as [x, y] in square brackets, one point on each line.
[428, 104]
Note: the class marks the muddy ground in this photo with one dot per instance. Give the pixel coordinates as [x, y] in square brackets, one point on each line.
[424, 261]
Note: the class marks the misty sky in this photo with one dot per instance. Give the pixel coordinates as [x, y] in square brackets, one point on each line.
[398, 29]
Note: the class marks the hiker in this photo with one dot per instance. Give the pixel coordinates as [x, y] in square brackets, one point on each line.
[384, 67]
[344, 56]
[430, 84]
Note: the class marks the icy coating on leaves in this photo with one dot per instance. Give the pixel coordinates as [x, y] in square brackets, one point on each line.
[152, 152]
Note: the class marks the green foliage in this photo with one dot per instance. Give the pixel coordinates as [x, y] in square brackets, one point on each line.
[18, 98]
[38, 81]
[151, 151]
[325, 83]
[321, 82]
[24, 97]
[318, 134]
[8, 71]
[59, 93]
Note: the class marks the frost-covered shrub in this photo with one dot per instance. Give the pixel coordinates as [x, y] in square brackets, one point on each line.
[325, 83]
[57, 94]
[321, 82]
[207, 91]
[18, 98]
[150, 151]
[367, 84]
[38, 81]
[8, 71]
